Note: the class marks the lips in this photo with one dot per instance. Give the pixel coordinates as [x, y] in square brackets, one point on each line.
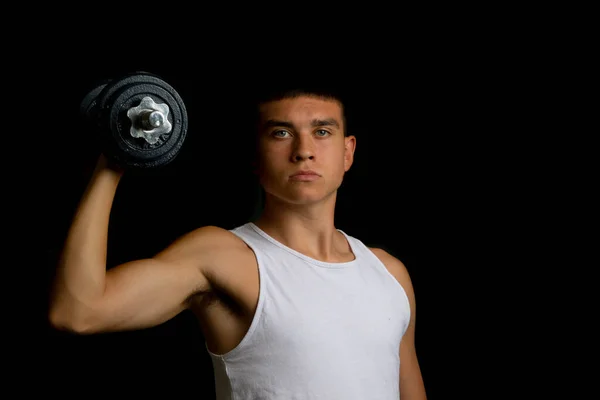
[304, 176]
[305, 173]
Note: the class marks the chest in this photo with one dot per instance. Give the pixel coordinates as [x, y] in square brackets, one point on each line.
[325, 310]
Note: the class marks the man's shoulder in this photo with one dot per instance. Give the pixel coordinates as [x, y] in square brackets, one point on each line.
[211, 237]
[392, 263]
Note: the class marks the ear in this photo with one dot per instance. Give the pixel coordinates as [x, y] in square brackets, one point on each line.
[349, 148]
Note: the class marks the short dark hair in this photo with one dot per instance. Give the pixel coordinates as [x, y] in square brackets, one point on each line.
[268, 94]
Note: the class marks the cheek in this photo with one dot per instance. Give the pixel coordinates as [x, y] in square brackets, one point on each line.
[270, 162]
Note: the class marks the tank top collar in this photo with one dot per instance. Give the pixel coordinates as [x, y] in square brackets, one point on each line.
[306, 258]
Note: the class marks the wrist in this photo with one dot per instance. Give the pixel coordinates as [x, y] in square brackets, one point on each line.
[104, 164]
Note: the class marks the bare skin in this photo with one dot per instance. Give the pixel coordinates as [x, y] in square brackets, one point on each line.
[210, 271]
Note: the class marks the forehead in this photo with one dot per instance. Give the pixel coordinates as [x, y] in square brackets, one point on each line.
[301, 107]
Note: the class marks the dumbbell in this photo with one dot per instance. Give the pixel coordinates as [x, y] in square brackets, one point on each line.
[140, 120]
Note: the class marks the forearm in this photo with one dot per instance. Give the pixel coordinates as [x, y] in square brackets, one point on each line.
[80, 276]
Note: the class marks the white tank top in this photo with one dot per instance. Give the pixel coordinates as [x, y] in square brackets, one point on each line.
[321, 330]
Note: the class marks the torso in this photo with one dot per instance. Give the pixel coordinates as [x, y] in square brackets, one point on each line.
[226, 312]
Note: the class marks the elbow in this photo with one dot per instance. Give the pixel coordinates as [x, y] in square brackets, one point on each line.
[71, 322]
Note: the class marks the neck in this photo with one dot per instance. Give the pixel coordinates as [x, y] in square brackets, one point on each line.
[306, 228]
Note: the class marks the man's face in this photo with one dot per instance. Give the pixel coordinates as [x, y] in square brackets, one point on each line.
[303, 133]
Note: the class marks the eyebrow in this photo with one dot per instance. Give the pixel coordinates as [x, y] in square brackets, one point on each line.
[314, 123]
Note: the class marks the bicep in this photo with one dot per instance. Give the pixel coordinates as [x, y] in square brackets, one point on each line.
[411, 380]
[144, 293]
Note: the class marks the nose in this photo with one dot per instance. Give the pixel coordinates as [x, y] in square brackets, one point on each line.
[303, 150]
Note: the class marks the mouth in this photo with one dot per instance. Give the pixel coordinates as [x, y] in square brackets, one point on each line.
[305, 176]
[305, 173]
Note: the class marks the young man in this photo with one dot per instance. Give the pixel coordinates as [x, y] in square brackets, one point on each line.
[291, 307]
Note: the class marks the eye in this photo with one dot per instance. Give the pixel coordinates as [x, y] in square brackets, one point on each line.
[277, 133]
[322, 132]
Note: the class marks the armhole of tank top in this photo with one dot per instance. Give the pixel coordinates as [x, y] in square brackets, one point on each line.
[223, 386]
[259, 305]
[384, 269]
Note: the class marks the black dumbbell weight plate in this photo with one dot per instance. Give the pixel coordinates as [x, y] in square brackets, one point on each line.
[88, 104]
[125, 94]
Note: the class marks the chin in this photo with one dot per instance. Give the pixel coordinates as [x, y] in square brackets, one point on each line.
[302, 197]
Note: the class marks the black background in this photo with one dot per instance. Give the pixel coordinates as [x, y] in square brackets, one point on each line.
[454, 109]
